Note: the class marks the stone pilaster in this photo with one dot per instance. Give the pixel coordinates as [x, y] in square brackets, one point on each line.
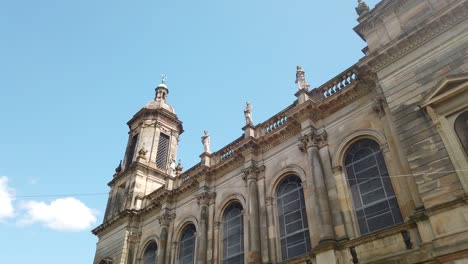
[211, 231]
[330, 182]
[250, 176]
[271, 228]
[310, 143]
[164, 221]
[217, 242]
[202, 243]
[133, 239]
[263, 217]
[344, 201]
[173, 252]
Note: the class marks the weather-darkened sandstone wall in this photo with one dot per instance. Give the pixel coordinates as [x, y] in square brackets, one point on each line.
[112, 244]
[411, 65]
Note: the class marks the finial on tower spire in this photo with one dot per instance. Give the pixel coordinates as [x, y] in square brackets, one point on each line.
[362, 8]
[161, 90]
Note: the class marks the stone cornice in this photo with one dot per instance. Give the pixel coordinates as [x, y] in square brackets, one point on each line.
[287, 131]
[157, 112]
[381, 11]
[405, 44]
[113, 221]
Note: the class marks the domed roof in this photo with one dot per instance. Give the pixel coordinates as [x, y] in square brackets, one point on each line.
[159, 101]
[159, 104]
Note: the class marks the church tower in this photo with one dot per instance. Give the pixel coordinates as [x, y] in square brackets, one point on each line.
[150, 156]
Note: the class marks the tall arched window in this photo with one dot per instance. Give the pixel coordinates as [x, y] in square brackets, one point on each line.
[149, 255]
[294, 230]
[371, 188]
[461, 127]
[187, 245]
[233, 238]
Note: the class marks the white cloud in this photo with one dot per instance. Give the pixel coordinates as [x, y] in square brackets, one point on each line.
[6, 199]
[64, 214]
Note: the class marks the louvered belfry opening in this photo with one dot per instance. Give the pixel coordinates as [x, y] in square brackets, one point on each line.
[371, 187]
[131, 151]
[163, 150]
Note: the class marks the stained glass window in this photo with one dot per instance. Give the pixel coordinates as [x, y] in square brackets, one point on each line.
[233, 238]
[371, 188]
[294, 230]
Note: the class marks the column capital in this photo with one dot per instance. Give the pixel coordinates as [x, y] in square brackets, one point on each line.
[378, 106]
[252, 172]
[204, 198]
[312, 139]
[134, 237]
[166, 217]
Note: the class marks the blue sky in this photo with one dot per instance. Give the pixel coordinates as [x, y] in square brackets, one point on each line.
[72, 73]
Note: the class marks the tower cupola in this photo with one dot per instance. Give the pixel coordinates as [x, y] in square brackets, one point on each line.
[159, 101]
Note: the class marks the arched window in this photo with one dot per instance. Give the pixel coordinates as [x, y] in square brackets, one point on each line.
[187, 245]
[371, 188]
[294, 230]
[461, 127]
[149, 255]
[233, 238]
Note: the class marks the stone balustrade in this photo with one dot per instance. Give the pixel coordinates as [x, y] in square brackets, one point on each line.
[336, 84]
[228, 151]
[276, 123]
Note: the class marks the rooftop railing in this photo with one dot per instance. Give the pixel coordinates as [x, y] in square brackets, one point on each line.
[336, 84]
[228, 151]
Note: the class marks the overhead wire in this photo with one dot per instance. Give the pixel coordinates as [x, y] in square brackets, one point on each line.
[106, 193]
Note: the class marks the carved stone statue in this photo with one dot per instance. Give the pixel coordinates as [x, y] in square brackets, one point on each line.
[172, 165]
[300, 79]
[179, 168]
[248, 114]
[142, 152]
[206, 142]
[362, 8]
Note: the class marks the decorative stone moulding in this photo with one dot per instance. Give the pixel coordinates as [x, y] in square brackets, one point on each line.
[312, 140]
[204, 198]
[166, 217]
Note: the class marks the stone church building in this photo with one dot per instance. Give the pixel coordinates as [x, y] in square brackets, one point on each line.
[370, 167]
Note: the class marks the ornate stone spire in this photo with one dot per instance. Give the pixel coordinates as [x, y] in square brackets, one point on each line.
[362, 8]
[300, 79]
